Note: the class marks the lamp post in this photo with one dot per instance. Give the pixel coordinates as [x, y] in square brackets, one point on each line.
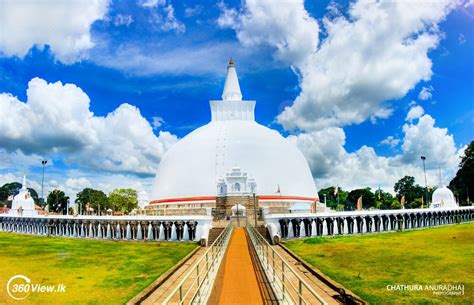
[423, 158]
[43, 162]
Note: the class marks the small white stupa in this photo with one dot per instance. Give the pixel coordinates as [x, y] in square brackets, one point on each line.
[23, 204]
[443, 197]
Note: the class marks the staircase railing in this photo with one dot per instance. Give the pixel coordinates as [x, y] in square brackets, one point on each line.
[196, 285]
[287, 285]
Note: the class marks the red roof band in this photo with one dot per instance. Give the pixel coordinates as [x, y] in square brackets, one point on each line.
[213, 198]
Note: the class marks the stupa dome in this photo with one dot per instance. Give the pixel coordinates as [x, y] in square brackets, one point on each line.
[23, 204]
[233, 155]
[443, 198]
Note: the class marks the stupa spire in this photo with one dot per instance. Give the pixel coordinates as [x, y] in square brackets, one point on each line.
[232, 107]
[231, 87]
[23, 186]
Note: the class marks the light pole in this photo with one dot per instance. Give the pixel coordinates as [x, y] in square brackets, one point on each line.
[43, 162]
[423, 158]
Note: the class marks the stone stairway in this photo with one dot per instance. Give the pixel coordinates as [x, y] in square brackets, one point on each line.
[213, 234]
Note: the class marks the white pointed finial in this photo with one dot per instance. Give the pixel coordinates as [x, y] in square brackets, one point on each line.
[23, 186]
[231, 87]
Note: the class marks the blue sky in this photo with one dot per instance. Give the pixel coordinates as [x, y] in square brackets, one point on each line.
[168, 59]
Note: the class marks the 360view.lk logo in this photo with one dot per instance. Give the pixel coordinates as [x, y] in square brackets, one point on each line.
[19, 287]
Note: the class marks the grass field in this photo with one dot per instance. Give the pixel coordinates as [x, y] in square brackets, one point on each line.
[367, 264]
[94, 272]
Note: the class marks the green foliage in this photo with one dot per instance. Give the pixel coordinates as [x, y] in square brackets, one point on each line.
[368, 198]
[95, 198]
[124, 200]
[407, 187]
[348, 200]
[395, 204]
[333, 201]
[57, 201]
[383, 200]
[463, 183]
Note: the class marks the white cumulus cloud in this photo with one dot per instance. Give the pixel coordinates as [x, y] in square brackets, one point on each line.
[425, 139]
[375, 54]
[56, 119]
[378, 54]
[287, 27]
[390, 141]
[169, 22]
[425, 93]
[414, 113]
[163, 16]
[331, 164]
[151, 3]
[63, 25]
[228, 17]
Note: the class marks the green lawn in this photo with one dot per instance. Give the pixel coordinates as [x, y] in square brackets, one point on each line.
[367, 264]
[94, 272]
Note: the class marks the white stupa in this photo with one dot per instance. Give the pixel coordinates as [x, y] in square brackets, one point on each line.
[443, 197]
[233, 156]
[23, 204]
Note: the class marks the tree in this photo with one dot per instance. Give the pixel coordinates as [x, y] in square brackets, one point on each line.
[333, 201]
[343, 200]
[13, 189]
[383, 200]
[57, 201]
[407, 187]
[368, 198]
[124, 200]
[95, 198]
[463, 183]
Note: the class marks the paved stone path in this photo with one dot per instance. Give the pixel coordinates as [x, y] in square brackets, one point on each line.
[319, 287]
[240, 284]
[160, 294]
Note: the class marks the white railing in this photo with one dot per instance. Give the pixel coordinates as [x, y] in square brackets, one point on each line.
[360, 222]
[196, 285]
[140, 227]
[287, 285]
